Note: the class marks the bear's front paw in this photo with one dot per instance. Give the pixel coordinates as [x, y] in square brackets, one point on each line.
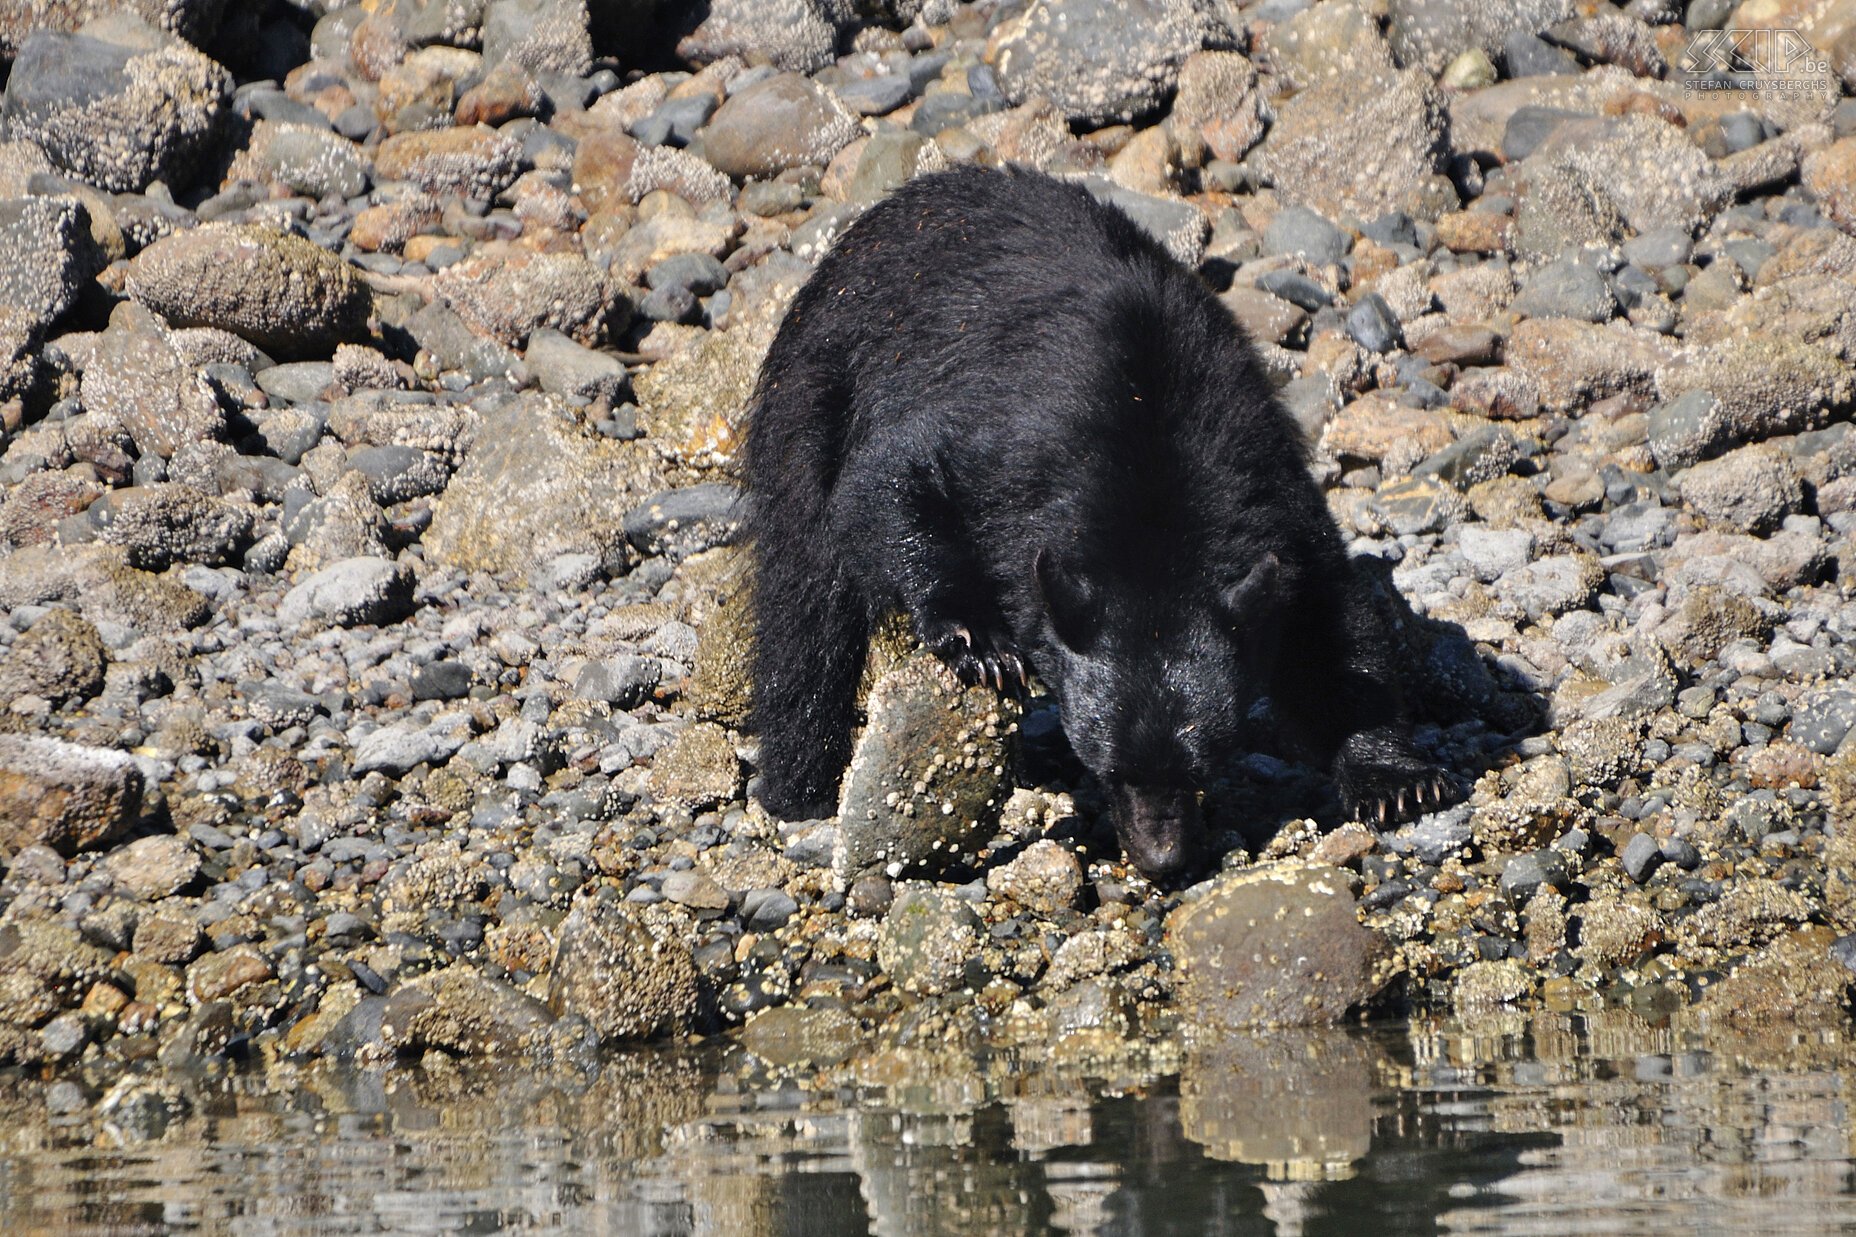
[1390, 785]
[979, 656]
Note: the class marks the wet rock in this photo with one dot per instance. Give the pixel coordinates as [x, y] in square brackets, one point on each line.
[116, 116]
[1794, 983]
[791, 1037]
[927, 938]
[1360, 148]
[698, 770]
[1750, 490]
[1101, 62]
[927, 773]
[350, 593]
[64, 795]
[534, 486]
[508, 296]
[142, 383]
[169, 522]
[1614, 932]
[1279, 945]
[628, 982]
[220, 975]
[1045, 879]
[1488, 985]
[60, 658]
[462, 1011]
[782, 122]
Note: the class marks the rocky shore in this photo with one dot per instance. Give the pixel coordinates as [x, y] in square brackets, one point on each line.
[372, 667]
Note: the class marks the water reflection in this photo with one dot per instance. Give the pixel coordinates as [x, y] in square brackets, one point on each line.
[1575, 1123]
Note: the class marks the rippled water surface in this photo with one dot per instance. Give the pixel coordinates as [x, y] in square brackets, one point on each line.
[1561, 1125]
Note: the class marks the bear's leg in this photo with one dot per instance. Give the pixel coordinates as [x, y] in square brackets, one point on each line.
[910, 530]
[1338, 688]
[811, 634]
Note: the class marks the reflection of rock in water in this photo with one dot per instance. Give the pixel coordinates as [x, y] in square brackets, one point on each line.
[1298, 1103]
[928, 1173]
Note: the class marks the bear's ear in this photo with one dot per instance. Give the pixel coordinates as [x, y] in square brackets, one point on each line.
[1250, 596]
[1068, 600]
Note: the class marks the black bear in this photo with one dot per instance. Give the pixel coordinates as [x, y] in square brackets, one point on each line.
[1001, 407]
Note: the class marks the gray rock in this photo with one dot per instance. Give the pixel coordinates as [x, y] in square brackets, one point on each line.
[309, 159]
[1046, 878]
[510, 296]
[1175, 223]
[927, 773]
[1277, 945]
[767, 910]
[876, 96]
[1529, 126]
[350, 593]
[623, 682]
[1373, 325]
[396, 474]
[1641, 857]
[679, 523]
[1483, 454]
[1100, 61]
[1822, 720]
[927, 938]
[1687, 428]
[115, 116]
[1751, 489]
[628, 982]
[1566, 289]
[1525, 54]
[394, 749]
[1525, 875]
[441, 680]
[783, 122]
[64, 795]
[1552, 585]
[1298, 230]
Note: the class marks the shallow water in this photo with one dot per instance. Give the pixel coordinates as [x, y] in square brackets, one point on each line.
[1562, 1124]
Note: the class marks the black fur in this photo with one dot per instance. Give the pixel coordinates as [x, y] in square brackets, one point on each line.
[1001, 407]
